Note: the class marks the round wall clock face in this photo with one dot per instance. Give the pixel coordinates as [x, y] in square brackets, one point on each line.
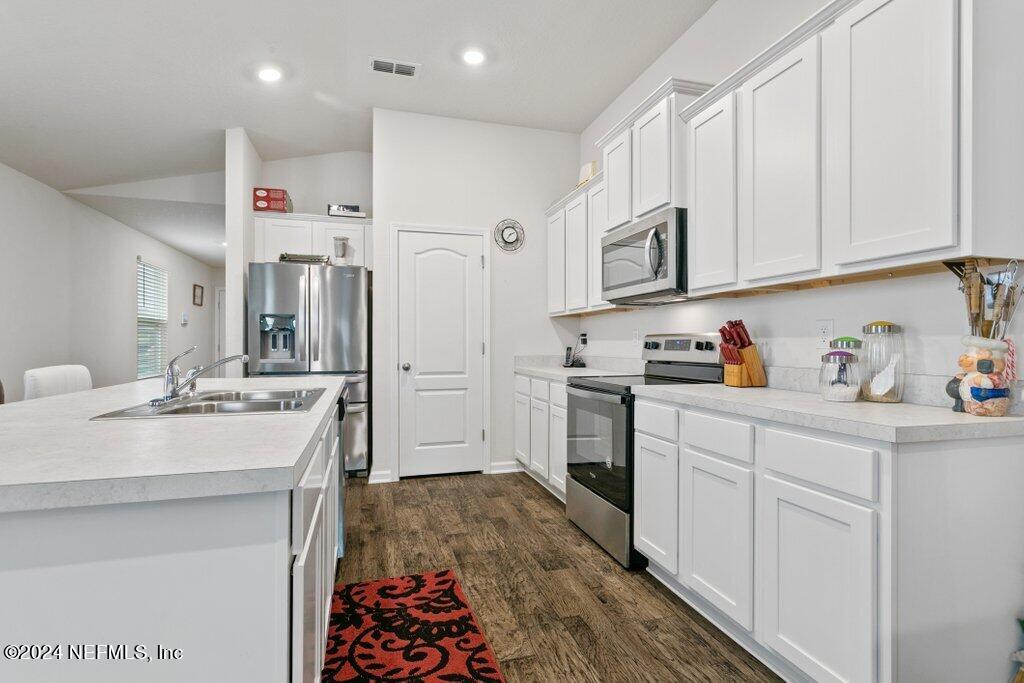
[509, 235]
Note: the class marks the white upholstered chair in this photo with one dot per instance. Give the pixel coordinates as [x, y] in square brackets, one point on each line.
[56, 379]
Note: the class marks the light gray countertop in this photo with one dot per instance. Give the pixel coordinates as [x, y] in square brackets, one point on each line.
[891, 422]
[557, 372]
[53, 456]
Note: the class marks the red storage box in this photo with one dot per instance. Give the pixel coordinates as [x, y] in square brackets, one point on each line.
[270, 199]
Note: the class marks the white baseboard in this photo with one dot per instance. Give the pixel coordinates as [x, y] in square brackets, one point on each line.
[380, 477]
[743, 638]
[506, 466]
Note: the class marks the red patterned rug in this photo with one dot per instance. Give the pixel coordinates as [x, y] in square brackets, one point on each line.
[407, 628]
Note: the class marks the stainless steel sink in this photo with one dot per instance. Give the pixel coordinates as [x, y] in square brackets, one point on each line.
[254, 395]
[228, 407]
[224, 403]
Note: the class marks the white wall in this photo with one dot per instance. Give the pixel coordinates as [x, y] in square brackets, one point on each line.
[241, 173]
[313, 182]
[67, 287]
[433, 170]
[729, 35]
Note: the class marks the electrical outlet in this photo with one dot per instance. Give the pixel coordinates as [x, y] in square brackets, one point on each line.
[825, 332]
[636, 337]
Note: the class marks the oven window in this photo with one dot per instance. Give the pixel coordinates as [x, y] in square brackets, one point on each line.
[598, 448]
[625, 263]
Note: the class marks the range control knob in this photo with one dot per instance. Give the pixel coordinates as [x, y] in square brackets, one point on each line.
[709, 346]
[699, 346]
[651, 345]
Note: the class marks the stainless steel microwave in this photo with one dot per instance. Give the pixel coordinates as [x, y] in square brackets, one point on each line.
[644, 263]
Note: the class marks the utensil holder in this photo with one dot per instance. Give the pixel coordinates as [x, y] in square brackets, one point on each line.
[755, 369]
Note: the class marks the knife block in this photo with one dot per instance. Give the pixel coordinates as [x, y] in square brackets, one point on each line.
[736, 375]
[748, 374]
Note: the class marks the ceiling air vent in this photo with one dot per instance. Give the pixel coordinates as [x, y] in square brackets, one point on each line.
[394, 67]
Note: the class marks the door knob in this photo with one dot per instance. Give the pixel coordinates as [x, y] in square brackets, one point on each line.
[406, 366]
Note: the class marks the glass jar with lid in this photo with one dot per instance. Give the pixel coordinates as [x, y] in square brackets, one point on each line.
[839, 378]
[884, 362]
[845, 344]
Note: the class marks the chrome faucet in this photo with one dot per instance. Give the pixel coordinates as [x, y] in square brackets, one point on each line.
[190, 377]
[173, 382]
[171, 375]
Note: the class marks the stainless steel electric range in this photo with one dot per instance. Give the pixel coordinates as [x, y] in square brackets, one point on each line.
[599, 485]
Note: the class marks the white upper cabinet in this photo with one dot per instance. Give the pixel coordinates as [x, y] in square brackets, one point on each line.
[576, 255]
[891, 121]
[556, 262]
[711, 215]
[597, 215]
[652, 159]
[780, 212]
[286, 236]
[347, 245]
[348, 242]
[618, 162]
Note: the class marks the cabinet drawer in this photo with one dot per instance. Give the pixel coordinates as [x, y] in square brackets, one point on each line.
[305, 496]
[522, 385]
[730, 438]
[539, 389]
[839, 466]
[660, 421]
[558, 395]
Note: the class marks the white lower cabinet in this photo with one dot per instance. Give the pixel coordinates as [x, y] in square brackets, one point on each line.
[716, 524]
[656, 500]
[557, 435]
[757, 525]
[540, 430]
[522, 428]
[818, 583]
[316, 559]
[539, 415]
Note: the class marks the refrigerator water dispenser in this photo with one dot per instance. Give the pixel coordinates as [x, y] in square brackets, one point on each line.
[277, 337]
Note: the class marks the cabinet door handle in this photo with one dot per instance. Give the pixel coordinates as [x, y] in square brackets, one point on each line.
[407, 366]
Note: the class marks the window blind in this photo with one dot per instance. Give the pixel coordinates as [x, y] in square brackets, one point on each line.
[151, 319]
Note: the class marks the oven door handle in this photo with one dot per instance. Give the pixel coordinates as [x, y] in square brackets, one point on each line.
[617, 399]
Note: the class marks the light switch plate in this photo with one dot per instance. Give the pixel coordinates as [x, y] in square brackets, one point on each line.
[184, 319]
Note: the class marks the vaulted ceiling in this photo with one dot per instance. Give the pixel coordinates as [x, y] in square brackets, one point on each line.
[109, 91]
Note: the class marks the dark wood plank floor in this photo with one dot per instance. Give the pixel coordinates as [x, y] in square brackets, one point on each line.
[554, 606]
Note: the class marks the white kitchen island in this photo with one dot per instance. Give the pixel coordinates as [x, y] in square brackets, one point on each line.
[195, 548]
[836, 541]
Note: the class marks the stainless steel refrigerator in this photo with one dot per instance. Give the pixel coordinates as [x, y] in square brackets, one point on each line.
[305, 319]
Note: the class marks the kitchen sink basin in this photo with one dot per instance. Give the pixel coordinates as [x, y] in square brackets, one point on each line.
[228, 407]
[224, 403]
[254, 395]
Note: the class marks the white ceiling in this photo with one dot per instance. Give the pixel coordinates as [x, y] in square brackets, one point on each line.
[109, 91]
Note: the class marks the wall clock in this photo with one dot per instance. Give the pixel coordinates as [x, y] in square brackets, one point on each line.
[509, 235]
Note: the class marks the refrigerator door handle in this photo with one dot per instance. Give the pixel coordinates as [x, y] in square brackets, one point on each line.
[314, 311]
[300, 348]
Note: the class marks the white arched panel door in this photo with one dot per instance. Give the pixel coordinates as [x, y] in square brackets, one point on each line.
[440, 352]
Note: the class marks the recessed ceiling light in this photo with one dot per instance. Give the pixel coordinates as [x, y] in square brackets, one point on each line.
[473, 57]
[269, 74]
[223, 244]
